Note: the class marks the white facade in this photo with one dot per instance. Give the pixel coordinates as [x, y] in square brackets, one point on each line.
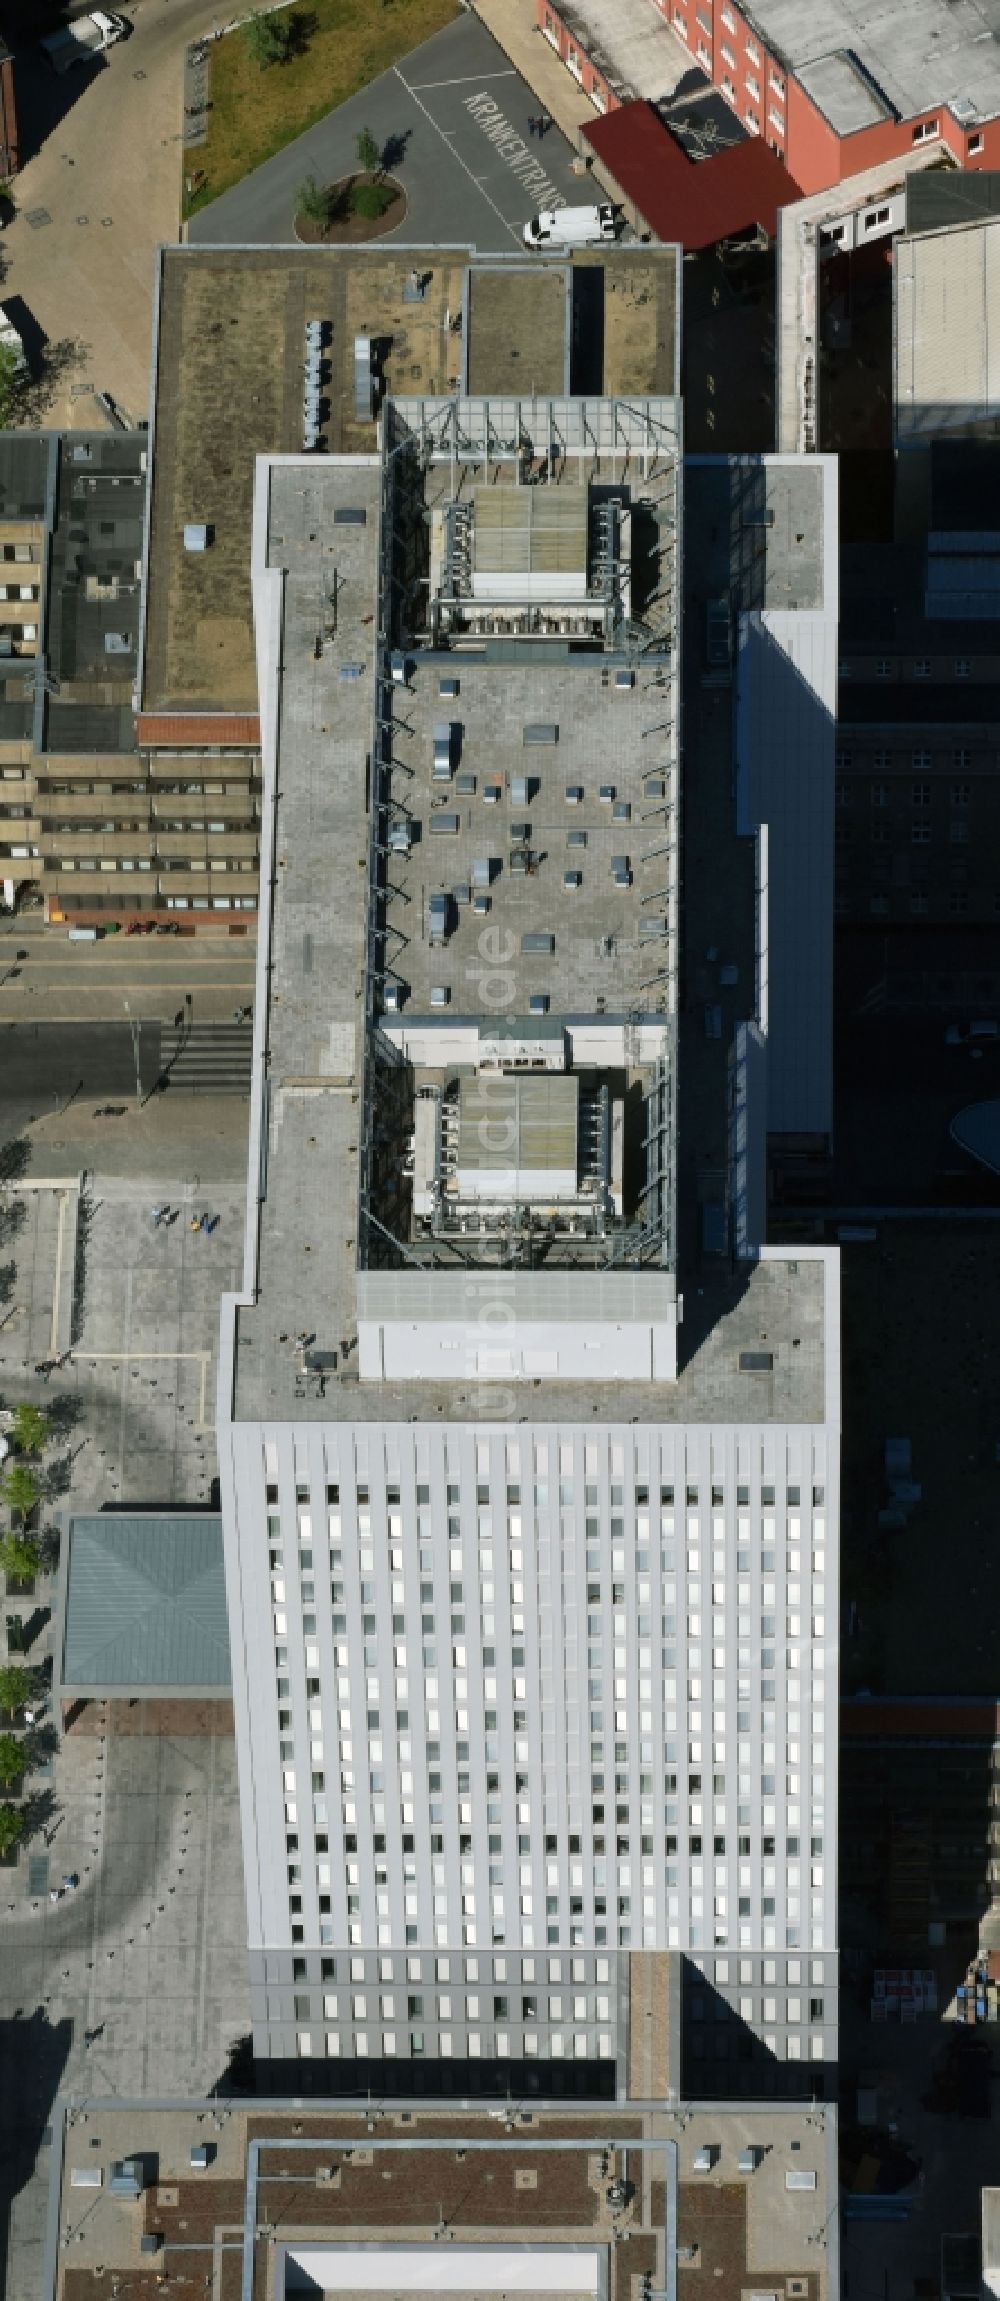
[520, 1699]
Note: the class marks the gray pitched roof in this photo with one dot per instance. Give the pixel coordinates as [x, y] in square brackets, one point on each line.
[145, 1604]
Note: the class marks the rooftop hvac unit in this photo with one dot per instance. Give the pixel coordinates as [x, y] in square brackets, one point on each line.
[705, 2157]
[195, 536]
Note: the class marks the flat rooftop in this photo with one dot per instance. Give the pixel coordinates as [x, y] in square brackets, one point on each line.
[230, 346]
[859, 66]
[94, 597]
[947, 361]
[332, 1105]
[852, 59]
[354, 2200]
[595, 748]
[634, 46]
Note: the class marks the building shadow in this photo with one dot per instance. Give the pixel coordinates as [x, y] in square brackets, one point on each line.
[723, 2058]
[33, 2056]
[418, 2078]
[46, 98]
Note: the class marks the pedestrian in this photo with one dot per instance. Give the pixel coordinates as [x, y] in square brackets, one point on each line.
[544, 124]
[206, 1225]
[55, 1894]
[158, 1214]
[532, 124]
[195, 1223]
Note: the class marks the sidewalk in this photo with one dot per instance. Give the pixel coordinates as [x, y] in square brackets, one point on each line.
[512, 24]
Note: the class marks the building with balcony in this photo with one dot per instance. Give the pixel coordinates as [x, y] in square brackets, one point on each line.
[95, 824]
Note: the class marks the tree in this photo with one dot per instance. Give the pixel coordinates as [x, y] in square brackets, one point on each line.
[12, 1827]
[13, 1759]
[269, 39]
[369, 151]
[13, 381]
[16, 1686]
[20, 1557]
[313, 201]
[31, 1429]
[19, 1489]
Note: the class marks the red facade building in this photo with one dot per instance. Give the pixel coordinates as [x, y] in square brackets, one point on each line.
[827, 118]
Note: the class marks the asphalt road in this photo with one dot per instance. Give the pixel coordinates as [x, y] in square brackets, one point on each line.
[50, 1068]
[46, 978]
[471, 171]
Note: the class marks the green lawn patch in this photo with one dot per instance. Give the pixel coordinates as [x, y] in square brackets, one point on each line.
[336, 48]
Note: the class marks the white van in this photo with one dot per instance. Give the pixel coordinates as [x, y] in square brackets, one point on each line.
[572, 227]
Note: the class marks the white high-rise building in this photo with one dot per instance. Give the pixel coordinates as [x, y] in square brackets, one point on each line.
[533, 1564]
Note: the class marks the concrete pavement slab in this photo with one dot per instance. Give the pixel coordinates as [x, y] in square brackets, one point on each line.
[114, 155]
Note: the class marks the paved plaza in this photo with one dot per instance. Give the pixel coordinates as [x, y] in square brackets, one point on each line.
[145, 1957]
[80, 249]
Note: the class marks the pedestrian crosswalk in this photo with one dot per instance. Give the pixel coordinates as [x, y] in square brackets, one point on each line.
[207, 1058]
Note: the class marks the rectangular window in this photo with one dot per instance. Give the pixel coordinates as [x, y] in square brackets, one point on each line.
[920, 794]
[963, 667]
[920, 834]
[878, 794]
[924, 130]
[974, 145]
[921, 667]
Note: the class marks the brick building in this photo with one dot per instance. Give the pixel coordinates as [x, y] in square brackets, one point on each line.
[832, 99]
